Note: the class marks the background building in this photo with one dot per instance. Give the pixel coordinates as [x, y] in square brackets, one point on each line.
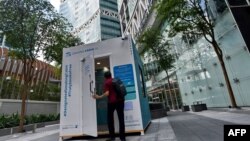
[135, 17]
[241, 10]
[199, 73]
[11, 77]
[92, 20]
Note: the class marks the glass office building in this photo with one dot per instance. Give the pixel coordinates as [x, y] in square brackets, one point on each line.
[135, 17]
[199, 72]
[92, 20]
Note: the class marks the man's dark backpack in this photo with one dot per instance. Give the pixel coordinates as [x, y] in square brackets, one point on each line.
[119, 88]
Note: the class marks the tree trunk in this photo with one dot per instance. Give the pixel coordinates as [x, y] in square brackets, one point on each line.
[176, 98]
[166, 96]
[27, 68]
[23, 108]
[229, 87]
[169, 88]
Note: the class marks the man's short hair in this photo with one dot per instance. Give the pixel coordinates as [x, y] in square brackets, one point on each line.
[107, 74]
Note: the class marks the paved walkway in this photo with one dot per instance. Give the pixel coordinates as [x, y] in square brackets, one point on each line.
[206, 125]
[192, 127]
[234, 116]
[181, 126]
[159, 130]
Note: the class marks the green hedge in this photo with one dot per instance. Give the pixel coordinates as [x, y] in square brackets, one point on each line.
[7, 121]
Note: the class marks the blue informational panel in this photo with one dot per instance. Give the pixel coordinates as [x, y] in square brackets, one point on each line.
[126, 75]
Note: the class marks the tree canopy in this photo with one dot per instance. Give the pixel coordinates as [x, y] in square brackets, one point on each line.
[153, 43]
[32, 27]
[188, 17]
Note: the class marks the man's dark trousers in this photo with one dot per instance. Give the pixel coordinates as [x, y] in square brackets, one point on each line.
[119, 107]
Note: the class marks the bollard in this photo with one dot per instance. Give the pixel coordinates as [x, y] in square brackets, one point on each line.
[34, 128]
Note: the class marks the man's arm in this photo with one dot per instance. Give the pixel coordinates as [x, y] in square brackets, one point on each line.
[101, 96]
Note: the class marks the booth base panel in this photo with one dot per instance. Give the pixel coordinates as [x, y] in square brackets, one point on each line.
[103, 130]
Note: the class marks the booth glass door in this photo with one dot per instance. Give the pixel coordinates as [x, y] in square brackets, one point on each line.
[102, 64]
[89, 122]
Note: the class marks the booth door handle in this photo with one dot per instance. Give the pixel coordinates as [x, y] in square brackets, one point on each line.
[90, 88]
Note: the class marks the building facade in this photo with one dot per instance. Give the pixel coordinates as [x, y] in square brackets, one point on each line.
[241, 10]
[199, 72]
[92, 20]
[135, 17]
[11, 74]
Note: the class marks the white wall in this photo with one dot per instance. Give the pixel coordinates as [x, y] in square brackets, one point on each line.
[9, 106]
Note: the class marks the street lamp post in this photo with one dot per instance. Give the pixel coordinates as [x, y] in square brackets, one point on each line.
[31, 91]
[8, 79]
[27, 100]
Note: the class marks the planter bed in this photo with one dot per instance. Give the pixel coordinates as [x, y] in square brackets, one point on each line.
[30, 127]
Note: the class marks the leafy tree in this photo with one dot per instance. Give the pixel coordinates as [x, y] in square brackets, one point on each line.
[192, 17]
[58, 70]
[153, 43]
[33, 27]
[53, 92]
[64, 39]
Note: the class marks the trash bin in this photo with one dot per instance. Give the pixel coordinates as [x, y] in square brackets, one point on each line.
[157, 110]
[185, 108]
[197, 106]
[204, 106]
[167, 108]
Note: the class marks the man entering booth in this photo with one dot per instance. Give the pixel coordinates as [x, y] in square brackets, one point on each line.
[115, 102]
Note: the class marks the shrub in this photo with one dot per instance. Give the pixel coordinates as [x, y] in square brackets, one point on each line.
[7, 121]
